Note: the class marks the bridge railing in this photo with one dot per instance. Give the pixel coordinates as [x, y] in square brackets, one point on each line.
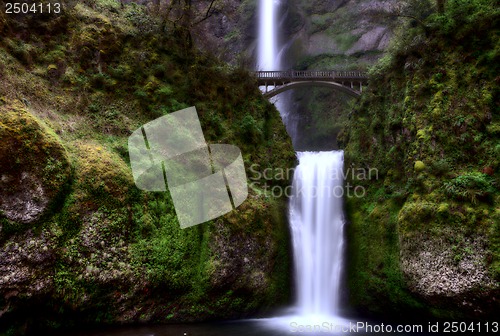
[290, 75]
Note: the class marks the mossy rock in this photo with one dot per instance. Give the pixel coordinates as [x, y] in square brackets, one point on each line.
[415, 216]
[419, 166]
[34, 164]
[101, 176]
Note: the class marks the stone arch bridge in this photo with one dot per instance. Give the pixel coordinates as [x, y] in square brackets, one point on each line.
[349, 82]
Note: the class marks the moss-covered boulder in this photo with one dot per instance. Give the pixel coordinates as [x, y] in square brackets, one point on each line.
[419, 166]
[101, 176]
[34, 164]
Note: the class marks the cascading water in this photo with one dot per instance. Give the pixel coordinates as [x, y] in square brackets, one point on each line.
[268, 58]
[316, 216]
[317, 221]
[270, 54]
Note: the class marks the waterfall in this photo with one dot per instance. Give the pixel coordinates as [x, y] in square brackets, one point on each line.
[268, 58]
[270, 54]
[316, 215]
[317, 221]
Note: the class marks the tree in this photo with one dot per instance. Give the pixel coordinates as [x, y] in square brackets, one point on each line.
[183, 15]
[187, 12]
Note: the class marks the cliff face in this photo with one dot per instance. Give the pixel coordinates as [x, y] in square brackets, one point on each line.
[424, 233]
[230, 33]
[314, 32]
[340, 27]
[79, 243]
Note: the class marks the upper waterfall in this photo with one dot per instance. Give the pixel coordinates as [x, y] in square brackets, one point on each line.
[268, 54]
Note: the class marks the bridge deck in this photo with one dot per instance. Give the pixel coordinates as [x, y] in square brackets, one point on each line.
[288, 76]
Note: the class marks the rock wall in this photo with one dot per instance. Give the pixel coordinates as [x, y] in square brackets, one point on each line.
[424, 231]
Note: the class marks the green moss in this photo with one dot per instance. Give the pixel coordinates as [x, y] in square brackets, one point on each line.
[101, 176]
[320, 22]
[55, 56]
[32, 156]
[345, 41]
[428, 113]
[415, 215]
[115, 244]
[419, 166]
[373, 259]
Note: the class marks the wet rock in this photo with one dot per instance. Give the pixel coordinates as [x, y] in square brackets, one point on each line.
[26, 267]
[239, 258]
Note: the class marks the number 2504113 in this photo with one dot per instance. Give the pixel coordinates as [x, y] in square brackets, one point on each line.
[32, 8]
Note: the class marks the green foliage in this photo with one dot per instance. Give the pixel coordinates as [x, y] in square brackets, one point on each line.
[102, 81]
[167, 255]
[380, 68]
[440, 167]
[24, 52]
[138, 17]
[463, 16]
[470, 187]
[55, 56]
[250, 129]
[105, 71]
[121, 71]
[430, 99]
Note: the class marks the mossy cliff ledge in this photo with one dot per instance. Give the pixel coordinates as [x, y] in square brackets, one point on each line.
[79, 243]
[35, 165]
[425, 239]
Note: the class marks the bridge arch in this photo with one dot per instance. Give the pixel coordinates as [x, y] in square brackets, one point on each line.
[349, 82]
[293, 85]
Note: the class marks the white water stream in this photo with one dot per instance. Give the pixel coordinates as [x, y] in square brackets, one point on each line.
[268, 58]
[316, 219]
[316, 215]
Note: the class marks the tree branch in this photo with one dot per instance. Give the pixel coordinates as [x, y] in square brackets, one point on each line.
[208, 14]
